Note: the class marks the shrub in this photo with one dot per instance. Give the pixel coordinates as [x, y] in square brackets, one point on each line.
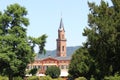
[115, 77]
[53, 71]
[92, 77]
[17, 78]
[112, 78]
[45, 78]
[3, 78]
[33, 78]
[58, 79]
[33, 71]
[81, 78]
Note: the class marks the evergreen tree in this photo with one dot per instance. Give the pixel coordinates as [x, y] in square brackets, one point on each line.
[16, 48]
[81, 63]
[103, 41]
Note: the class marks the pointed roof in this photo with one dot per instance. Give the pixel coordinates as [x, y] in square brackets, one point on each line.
[61, 27]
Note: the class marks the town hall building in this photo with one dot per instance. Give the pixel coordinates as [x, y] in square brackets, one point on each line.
[61, 60]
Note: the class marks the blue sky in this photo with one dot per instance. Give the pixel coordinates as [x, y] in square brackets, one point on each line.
[45, 15]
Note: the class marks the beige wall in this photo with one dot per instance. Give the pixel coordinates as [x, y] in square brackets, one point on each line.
[43, 64]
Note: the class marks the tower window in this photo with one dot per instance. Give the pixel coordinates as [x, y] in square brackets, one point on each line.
[62, 48]
[62, 36]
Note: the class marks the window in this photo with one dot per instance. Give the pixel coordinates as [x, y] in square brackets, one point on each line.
[39, 67]
[46, 67]
[67, 66]
[34, 66]
[62, 48]
[62, 67]
[63, 36]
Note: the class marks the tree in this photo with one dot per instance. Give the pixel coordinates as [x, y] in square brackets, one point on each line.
[16, 48]
[53, 71]
[33, 71]
[103, 42]
[81, 63]
[103, 37]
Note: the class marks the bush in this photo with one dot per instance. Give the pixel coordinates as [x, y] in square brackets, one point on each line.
[41, 78]
[81, 78]
[58, 79]
[115, 77]
[17, 78]
[53, 71]
[92, 78]
[112, 78]
[33, 78]
[3, 78]
[45, 78]
[33, 71]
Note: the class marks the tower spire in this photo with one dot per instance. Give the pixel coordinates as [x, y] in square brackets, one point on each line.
[61, 41]
[61, 27]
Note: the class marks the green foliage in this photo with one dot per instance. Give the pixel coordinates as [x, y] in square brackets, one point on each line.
[81, 78]
[53, 71]
[103, 39]
[33, 78]
[80, 63]
[92, 78]
[42, 78]
[33, 71]
[57, 79]
[3, 78]
[45, 78]
[112, 78]
[115, 77]
[17, 78]
[16, 48]
[40, 41]
[102, 45]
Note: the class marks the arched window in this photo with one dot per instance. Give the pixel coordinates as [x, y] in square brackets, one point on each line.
[62, 48]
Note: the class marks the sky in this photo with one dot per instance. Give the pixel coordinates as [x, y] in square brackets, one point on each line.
[45, 15]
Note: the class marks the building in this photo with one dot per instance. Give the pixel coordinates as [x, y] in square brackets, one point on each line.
[61, 60]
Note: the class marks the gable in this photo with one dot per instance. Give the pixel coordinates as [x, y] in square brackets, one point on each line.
[49, 59]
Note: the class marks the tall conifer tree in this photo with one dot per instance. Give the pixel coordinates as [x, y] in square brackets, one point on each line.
[103, 40]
